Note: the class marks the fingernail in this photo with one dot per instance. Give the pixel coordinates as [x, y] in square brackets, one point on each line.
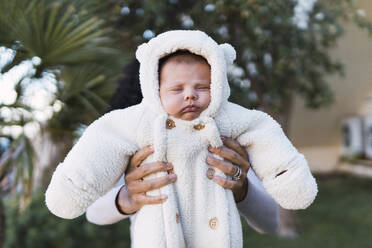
[209, 158]
[164, 197]
[151, 147]
[169, 166]
[173, 176]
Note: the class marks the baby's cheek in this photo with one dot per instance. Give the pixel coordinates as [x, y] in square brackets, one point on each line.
[171, 104]
[205, 99]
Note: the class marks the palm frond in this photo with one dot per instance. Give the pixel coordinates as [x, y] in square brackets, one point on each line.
[55, 30]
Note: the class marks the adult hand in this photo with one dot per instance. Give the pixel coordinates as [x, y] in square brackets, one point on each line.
[234, 155]
[132, 196]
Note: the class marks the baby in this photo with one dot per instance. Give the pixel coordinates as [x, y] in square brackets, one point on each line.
[181, 116]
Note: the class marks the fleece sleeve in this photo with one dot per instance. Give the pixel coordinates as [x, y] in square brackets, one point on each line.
[283, 171]
[90, 169]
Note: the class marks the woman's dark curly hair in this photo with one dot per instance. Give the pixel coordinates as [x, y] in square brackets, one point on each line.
[128, 91]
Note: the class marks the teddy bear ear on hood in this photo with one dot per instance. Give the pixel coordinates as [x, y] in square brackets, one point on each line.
[229, 52]
[141, 52]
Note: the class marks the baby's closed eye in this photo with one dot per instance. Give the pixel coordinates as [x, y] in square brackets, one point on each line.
[176, 89]
[205, 87]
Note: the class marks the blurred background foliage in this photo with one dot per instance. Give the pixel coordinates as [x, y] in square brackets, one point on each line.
[80, 47]
[38, 228]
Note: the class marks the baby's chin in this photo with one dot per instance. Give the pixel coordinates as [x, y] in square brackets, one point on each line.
[188, 116]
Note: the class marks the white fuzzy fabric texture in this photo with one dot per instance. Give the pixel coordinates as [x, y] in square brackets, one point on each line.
[97, 161]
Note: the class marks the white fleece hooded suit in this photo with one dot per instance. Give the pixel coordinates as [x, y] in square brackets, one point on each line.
[198, 213]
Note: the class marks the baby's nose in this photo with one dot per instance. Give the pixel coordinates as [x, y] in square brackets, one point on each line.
[190, 95]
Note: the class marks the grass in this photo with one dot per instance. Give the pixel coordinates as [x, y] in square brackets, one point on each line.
[341, 216]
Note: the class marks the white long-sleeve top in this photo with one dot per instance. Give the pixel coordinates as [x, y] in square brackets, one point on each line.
[258, 208]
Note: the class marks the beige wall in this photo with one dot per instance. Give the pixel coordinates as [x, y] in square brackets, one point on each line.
[366, 107]
[317, 132]
[322, 158]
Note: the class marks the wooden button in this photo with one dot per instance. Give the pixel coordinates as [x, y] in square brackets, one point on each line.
[210, 173]
[199, 126]
[213, 223]
[170, 124]
[177, 218]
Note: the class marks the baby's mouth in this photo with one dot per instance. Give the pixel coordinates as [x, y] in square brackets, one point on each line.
[190, 108]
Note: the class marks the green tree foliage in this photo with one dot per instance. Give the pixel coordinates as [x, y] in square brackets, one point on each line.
[276, 57]
[36, 227]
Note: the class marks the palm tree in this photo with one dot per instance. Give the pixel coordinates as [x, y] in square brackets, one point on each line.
[73, 49]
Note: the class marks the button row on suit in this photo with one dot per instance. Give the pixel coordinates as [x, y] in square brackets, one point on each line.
[213, 222]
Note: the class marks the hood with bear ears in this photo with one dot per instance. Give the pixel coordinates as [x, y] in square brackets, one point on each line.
[197, 42]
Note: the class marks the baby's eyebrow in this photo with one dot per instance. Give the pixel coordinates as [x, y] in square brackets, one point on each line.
[182, 82]
[204, 82]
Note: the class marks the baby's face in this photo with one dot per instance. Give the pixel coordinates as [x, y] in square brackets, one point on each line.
[185, 88]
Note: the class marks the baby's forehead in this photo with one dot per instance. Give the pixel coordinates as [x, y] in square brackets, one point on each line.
[186, 58]
[182, 56]
[179, 58]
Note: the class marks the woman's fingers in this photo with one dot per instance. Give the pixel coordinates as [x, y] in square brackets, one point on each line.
[147, 169]
[134, 197]
[224, 182]
[137, 187]
[234, 186]
[225, 166]
[232, 156]
[235, 156]
[143, 199]
[139, 157]
[234, 145]
[229, 169]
